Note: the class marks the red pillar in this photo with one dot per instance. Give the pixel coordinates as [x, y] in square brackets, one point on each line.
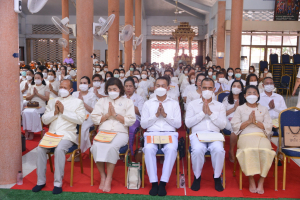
[128, 21]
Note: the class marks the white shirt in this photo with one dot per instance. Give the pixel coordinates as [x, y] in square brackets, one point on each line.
[191, 96]
[55, 86]
[145, 85]
[100, 90]
[150, 122]
[185, 83]
[42, 89]
[178, 72]
[122, 106]
[200, 122]
[298, 75]
[182, 77]
[278, 101]
[22, 86]
[141, 92]
[228, 106]
[65, 124]
[90, 99]
[174, 89]
[122, 80]
[175, 80]
[188, 89]
[231, 81]
[138, 102]
[223, 85]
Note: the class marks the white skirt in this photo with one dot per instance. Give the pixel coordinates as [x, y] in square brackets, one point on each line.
[31, 119]
[85, 142]
[109, 152]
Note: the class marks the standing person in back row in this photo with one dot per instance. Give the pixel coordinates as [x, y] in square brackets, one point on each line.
[69, 60]
[161, 116]
[206, 115]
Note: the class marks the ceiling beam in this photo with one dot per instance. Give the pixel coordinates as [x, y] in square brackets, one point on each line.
[204, 8]
[186, 9]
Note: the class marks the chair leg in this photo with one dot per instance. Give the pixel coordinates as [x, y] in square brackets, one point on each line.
[234, 167]
[50, 162]
[276, 172]
[178, 169]
[241, 179]
[72, 168]
[284, 172]
[92, 170]
[189, 169]
[224, 177]
[143, 170]
[289, 159]
[126, 161]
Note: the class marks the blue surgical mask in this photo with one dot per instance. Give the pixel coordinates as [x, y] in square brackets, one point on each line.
[131, 69]
[23, 73]
[214, 77]
[238, 75]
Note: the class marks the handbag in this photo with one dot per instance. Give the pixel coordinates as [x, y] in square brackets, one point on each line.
[138, 155]
[134, 176]
[292, 136]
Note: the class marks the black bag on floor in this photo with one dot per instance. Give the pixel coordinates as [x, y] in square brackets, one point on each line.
[23, 143]
[181, 147]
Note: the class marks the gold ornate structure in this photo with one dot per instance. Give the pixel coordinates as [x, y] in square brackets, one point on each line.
[183, 32]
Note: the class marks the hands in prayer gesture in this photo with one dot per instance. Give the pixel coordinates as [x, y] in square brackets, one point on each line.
[59, 107]
[272, 104]
[220, 89]
[252, 118]
[206, 108]
[80, 96]
[50, 87]
[111, 110]
[96, 91]
[26, 86]
[236, 104]
[35, 91]
[161, 111]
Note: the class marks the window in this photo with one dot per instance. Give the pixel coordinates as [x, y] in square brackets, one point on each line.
[246, 39]
[290, 40]
[259, 39]
[274, 40]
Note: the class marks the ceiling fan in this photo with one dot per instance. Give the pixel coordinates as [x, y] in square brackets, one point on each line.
[177, 11]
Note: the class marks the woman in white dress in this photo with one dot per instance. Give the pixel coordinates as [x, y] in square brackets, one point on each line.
[149, 75]
[97, 69]
[63, 74]
[113, 114]
[252, 71]
[138, 102]
[24, 85]
[122, 75]
[89, 99]
[98, 86]
[297, 83]
[116, 73]
[230, 74]
[139, 90]
[52, 84]
[195, 94]
[252, 79]
[108, 75]
[231, 102]
[130, 71]
[190, 81]
[146, 84]
[137, 74]
[210, 72]
[39, 92]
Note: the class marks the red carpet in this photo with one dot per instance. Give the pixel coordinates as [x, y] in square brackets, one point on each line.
[31, 144]
[82, 181]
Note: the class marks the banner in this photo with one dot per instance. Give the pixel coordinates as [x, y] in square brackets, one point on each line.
[286, 10]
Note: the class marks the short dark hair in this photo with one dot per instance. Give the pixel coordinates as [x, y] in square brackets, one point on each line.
[253, 87]
[219, 73]
[97, 75]
[52, 71]
[122, 70]
[87, 78]
[208, 79]
[166, 78]
[267, 78]
[237, 69]
[42, 76]
[116, 70]
[117, 82]
[171, 71]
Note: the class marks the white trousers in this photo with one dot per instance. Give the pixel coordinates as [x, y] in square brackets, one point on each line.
[59, 162]
[85, 142]
[170, 154]
[199, 149]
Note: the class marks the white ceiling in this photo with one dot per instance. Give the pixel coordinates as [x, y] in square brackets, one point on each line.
[151, 7]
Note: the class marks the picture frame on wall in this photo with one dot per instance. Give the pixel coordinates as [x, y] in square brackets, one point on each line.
[286, 10]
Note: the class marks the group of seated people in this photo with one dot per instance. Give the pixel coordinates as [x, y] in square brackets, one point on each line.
[149, 97]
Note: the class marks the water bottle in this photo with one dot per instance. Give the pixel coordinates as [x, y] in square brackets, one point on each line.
[182, 181]
[20, 178]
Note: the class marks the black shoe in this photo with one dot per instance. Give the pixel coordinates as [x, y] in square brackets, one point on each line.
[196, 184]
[162, 189]
[38, 188]
[279, 163]
[57, 190]
[154, 189]
[218, 184]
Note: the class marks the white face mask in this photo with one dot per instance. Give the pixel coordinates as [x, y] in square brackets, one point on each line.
[50, 78]
[269, 88]
[69, 68]
[230, 73]
[63, 93]
[236, 90]
[122, 75]
[101, 64]
[144, 76]
[106, 69]
[113, 95]
[210, 73]
[149, 73]
[38, 81]
[160, 91]
[221, 80]
[45, 75]
[253, 83]
[186, 72]
[192, 81]
[54, 69]
[29, 78]
[97, 69]
[83, 87]
[51, 66]
[251, 70]
[69, 56]
[136, 85]
[97, 84]
[207, 94]
[138, 76]
[152, 72]
[120, 68]
[266, 72]
[107, 78]
[251, 99]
